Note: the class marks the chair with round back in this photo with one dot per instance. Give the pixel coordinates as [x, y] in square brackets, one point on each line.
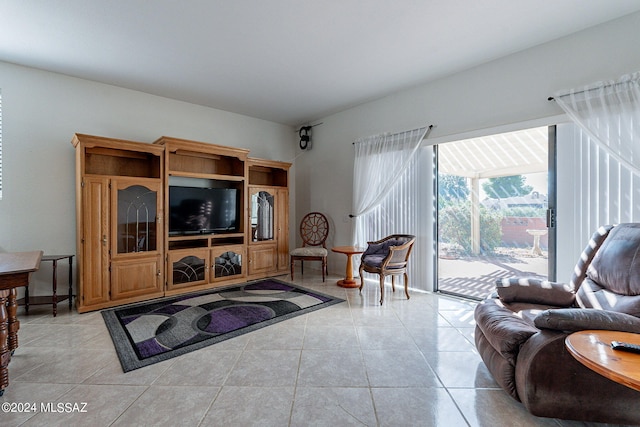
[314, 229]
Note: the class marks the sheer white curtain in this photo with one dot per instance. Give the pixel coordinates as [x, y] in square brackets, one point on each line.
[599, 161]
[609, 113]
[380, 162]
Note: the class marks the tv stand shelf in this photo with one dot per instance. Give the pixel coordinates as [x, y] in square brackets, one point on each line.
[205, 241]
[215, 177]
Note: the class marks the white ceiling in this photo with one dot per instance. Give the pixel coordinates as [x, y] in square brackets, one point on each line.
[287, 61]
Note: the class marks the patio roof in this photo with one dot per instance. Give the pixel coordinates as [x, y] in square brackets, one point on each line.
[506, 154]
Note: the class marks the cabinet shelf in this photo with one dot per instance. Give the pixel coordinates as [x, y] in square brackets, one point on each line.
[216, 177]
[205, 241]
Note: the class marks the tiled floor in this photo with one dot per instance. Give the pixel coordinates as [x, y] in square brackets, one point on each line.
[407, 363]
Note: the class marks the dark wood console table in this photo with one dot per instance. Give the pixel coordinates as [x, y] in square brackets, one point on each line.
[15, 269]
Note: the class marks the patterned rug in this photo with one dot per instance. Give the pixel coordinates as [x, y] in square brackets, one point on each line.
[157, 330]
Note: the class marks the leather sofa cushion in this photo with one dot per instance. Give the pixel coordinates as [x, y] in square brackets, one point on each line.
[504, 330]
[581, 319]
[535, 291]
[616, 266]
[593, 295]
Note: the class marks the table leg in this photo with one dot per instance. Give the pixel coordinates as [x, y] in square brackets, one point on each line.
[348, 281]
[12, 319]
[5, 354]
[70, 282]
[54, 297]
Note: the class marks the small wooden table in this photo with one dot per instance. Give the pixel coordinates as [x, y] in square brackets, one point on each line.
[54, 298]
[349, 251]
[593, 349]
[15, 269]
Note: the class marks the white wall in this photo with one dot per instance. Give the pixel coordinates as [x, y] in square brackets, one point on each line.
[513, 89]
[41, 112]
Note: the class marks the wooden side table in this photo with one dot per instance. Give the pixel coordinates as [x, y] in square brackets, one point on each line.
[349, 251]
[15, 269]
[593, 349]
[54, 298]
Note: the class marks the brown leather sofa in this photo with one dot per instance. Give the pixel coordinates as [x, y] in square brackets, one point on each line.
[521, 330]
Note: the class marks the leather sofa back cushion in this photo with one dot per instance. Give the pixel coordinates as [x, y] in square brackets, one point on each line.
[592, 295]
[616, 266]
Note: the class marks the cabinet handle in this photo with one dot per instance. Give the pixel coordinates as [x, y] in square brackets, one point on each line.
[104, 240]
[159, 273]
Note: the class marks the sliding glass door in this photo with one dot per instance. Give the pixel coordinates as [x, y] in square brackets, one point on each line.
[495, 201]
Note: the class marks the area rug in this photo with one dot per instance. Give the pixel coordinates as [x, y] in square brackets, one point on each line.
[158, 330]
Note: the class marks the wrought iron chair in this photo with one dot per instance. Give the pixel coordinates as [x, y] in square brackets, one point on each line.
[387, 257]
[314, 230]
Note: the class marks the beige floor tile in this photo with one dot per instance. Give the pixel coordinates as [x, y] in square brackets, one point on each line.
[168, 406]
[258, 408]
[333, 406]
[200, 368]
[90, 405]
[265, 368]
[416, 406]
[398, 368]
[332, 368]
[494, 407]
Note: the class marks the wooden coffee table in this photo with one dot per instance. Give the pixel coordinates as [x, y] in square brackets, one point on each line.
[349, 251]
[593, 349]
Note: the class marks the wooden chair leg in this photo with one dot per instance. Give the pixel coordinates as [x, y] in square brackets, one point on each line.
[361, 280]
[324, 267]
[393, 283]
[381, 289]
[291, 268]
[406, 285]
[301, 267]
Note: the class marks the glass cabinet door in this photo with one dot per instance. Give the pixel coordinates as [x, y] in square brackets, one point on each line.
[262, 216]
[227, 263]
[188, 267]
[137, 225]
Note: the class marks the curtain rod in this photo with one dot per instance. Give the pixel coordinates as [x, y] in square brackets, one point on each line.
[425, 135]
[613, 84]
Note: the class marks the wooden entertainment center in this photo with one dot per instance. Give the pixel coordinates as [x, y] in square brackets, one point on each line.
[126, 252]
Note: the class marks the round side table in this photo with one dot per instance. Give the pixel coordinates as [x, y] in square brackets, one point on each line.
[349, 251]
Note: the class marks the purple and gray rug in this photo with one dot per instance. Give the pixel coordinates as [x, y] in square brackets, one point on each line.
[157, 330]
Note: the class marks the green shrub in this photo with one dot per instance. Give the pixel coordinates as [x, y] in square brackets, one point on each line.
[455, 227]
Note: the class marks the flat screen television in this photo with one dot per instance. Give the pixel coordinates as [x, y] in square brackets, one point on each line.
[194, 210]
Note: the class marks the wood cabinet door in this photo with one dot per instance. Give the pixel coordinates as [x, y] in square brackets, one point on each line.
[94, 277]
[262, 258]
[136, 276]
[282, 228]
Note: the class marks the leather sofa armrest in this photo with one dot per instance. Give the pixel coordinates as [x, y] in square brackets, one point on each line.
[580, 319]
[535, 291]
[504, 331]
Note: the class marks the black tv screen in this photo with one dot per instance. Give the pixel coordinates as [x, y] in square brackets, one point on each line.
[203, 210]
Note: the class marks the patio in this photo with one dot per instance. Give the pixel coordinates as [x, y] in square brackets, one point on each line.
[523, 250]
[475, 276]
